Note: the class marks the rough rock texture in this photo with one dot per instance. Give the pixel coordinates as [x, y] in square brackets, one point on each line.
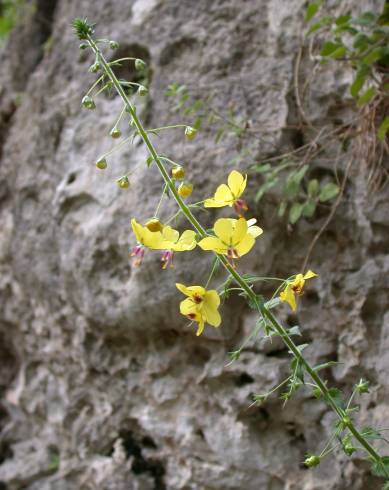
[102, 386]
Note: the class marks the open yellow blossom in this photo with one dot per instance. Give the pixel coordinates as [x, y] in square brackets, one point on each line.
[228, 195]
[295, 288]
[200, 306]
[146, 237]
[234, 237]
[173, 241]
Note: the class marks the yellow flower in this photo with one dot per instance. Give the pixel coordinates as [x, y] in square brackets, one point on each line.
[228, 195]
[234, 237]
[173, 241]
[200, 306]
[148, 238]
[294, 288]
[253, 229]
[178, 172]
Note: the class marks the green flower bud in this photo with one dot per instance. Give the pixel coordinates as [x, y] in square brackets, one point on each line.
[178, 172]
[95, 67]
[362, 386]
[113, 44]
[88, 102]
[185, 189]
[142, 90]
[123, 182]
[349, 449]
[101, 163]
[312, 461]
[115, 133]
[84, 46]
[190, 132]
[139, 64]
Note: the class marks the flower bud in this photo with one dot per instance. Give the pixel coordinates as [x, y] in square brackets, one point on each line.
[115, 133]
[123, 182]
[362, 386]
[185, 189]
[190, 132]
[154, 224]
[113, 44]
[312, 461]
[84, 46]
[142, 90]
[95, 67]
[88, 102]
[178, 172]
[139, 64]
[101, 163]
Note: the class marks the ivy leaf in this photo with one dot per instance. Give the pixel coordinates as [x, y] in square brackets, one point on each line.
[328, 192]
[383, 129]
[295, 212]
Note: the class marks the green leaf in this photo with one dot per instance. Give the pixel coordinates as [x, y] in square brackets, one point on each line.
[311, 11]
[373, 56]
[328, 48]
[313, 187]
[361, 42]
[367, 96]
[262, 169]
[328, 192]
[338, 53]
[265, 187]
[359, 80]
[325, 365]
[295, 212]
[342, 19]
[382, 468]
[365, 19]
[383, 129]
[295, 331]
[325, 21]
[371, 433]
[309, 209]
[282, 209]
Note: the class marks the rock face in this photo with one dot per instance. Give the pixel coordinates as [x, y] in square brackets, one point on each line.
[102, 385]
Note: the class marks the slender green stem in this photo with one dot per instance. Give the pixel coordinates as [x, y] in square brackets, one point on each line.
[95, 85]
[266, 313]
[214, 267]
[159, 203]
[167, 127]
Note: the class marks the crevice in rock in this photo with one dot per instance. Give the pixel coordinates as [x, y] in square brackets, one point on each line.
[141, 464]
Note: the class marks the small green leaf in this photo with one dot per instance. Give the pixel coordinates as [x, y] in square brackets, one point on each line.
[262, 169]
[309, 209]
[383, 129]
[367, 96]
[311, 11]
[365, 19]
[342, 19]
[265, 187]
[328, 192]
[295, 212]
[325, 365]
[295, 331]
[282, 209]
[381, 468]
[325, 21]
[373, 56]
[328, 48]
[359, 80]
[338, 53]
[371, 433]
[313, 187]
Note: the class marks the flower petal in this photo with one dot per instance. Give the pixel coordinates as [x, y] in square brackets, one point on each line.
[213, 243]
[245, 245]
[254, 231]
[310, 274]
[186, 241]
[224, 229]
[240, 231]
[222, 197]
[201, 326]
[288, 295]
[169, 234]
[187, 307]
[237, 183]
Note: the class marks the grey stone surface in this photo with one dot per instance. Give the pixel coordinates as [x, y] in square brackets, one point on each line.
[102, 385]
